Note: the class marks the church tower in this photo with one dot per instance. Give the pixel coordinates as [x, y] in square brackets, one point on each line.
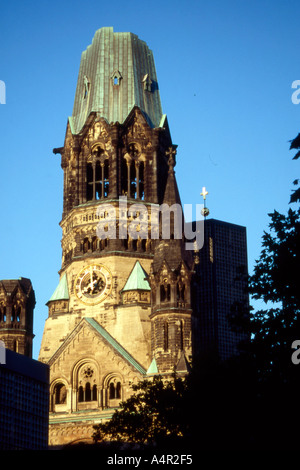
[121, 310]
[17, 302]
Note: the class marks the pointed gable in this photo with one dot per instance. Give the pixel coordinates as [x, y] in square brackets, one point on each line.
[104, 336]
[62, 290]
[137, 279]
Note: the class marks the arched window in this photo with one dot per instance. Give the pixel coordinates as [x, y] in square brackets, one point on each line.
[80, 394]
[15, 313]
[87, 378]
[180, 291]
[133, 180]
[97, 178]
[165, 292]
[118, 390]
[98, 182]
[143, 244]
[2, 313]
[111, 390]
[12, 317]
[141, 181]
[103, 243]
[132, 172]
[94, 244]
[106, 178]
[88, 394]
[114, 389]
[168, 292]
[86, 245]
[90, 181]
[124, 177]
[162, 293]
[60, 394]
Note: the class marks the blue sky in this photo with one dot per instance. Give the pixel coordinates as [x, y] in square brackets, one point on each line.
[225, 71]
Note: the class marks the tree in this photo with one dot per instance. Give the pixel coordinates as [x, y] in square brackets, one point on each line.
[249, 401]
[154, 413]
[295, 144]
[274, 329]
[275, 281]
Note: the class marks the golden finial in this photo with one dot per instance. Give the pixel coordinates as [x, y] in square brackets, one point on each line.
[205, 210]
[204, 193]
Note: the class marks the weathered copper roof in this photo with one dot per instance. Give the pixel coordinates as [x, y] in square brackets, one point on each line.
[62, 291]
[137, 279]
[117, 72]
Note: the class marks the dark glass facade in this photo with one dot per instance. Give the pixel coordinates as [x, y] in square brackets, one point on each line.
[24, 403]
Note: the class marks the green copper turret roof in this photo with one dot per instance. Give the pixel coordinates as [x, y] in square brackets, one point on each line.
[117, 73]
[137, 279]
[62, 291]
[153, 367]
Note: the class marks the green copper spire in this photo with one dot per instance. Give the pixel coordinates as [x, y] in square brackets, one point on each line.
[117, 72]
[62, 291]
[137, 279]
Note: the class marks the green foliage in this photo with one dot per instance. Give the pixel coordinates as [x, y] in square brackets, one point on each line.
[250, 401]
[153, 413]
[275, 281]
[295, 144]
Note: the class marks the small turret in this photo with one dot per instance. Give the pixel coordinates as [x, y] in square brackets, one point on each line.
[17, 301]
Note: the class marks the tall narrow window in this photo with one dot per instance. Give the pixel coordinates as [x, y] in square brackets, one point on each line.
[106, 178]
[141, 180]
[86, 245]
[115, 389]
[94, 243]
[181, 334]
[80, 394]
[3, 313]
[180, 291]
[124, 177]
[97, 180]
[133, 179]
[168, 293]
[162, 293]
[60, 394]
[118, 390]
[88, 392]
[90, 182]
[12, 318]
[166, 336]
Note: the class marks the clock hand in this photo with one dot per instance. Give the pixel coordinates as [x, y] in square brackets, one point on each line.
[92, 283]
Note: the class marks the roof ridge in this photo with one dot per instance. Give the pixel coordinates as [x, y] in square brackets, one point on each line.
[113, 342]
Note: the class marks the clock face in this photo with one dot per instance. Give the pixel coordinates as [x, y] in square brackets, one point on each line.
[93, 284]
